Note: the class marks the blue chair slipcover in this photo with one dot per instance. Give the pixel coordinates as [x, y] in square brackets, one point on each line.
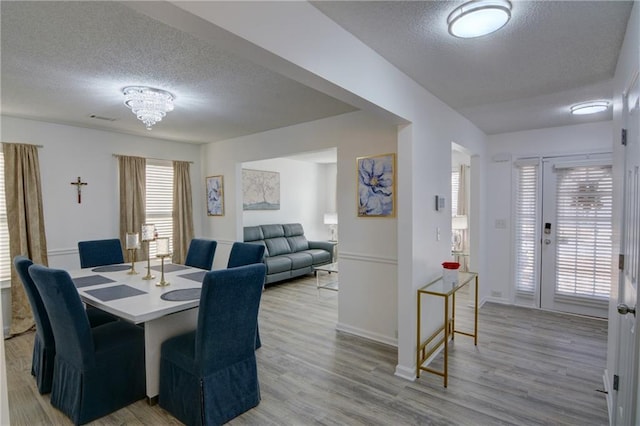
[200, 253]
[245, 254]
[209, 376]
[100, 252]
[97, 370]
[44, 348]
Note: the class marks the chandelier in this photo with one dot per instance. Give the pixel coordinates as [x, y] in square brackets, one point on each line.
[148, 104]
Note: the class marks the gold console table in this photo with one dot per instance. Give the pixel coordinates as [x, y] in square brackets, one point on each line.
[448, 330]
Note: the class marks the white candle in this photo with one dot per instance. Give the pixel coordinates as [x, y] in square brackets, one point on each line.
[162, 248]
[148, 232]
[132, 241]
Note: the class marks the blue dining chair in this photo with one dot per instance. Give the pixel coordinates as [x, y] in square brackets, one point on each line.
[200, 253]
[44, 348]
[209, 376]
[96, 370]
[100, 252]
[246, 254]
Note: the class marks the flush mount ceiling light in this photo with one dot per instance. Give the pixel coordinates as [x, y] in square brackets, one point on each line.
[590, 107]
[148, 104]
[479, 17]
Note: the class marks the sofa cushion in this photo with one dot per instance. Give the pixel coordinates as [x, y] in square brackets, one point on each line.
[298, 243]
[272, 231]
[293, 229]
[253, 233]
[319, 256]
[277, 246]
[277, 264]
[299, 260]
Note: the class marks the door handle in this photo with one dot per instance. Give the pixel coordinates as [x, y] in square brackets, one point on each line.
[623, 309]
[547, 241]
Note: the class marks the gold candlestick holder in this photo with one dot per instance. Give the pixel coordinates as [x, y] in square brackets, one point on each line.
[132, 256]
[148, 276]
[162, 282]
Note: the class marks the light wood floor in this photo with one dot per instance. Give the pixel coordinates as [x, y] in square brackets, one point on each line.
[530, 368]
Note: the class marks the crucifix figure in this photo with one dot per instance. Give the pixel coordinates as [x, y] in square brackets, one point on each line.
[79, 183]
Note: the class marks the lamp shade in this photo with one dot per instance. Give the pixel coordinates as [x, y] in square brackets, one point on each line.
[459, 222]
[331, 218]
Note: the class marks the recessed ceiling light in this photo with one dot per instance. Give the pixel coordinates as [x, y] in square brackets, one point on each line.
[479, 17]
[590, 107]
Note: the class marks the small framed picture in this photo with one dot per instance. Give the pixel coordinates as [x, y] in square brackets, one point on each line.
[376, 177]
[215, 196]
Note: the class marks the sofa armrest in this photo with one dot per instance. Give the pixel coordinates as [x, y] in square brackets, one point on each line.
[324, 245]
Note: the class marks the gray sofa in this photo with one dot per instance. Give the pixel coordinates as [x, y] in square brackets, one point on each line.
[288, 253]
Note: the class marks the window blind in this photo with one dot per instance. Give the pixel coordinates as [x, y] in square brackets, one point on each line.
[584, 199]
[159, 200]
[5, 257]
[526, 229]
[455, 185]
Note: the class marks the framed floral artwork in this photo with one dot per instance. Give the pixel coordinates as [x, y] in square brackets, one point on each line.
[215, 196]
[376, 186]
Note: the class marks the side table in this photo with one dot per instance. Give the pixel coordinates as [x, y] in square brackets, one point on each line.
[329, 268]
[447, 331]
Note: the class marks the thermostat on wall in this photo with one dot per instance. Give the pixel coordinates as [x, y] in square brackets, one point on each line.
[439, 202]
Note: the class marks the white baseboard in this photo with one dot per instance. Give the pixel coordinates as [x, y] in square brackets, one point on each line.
[407, 373]
[367, 334]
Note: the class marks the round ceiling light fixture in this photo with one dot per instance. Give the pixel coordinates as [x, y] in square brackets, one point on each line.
[479, 17]
[590, 107]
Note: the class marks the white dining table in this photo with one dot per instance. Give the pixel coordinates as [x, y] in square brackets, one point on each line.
[139, 301]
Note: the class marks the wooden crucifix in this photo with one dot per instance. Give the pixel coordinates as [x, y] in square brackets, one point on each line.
[79, 183]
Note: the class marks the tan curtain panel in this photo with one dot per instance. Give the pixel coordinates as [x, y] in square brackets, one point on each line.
[25, 219]
[133, 183]
[182, 211]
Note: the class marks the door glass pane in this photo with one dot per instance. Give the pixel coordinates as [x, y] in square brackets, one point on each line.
[584, 231]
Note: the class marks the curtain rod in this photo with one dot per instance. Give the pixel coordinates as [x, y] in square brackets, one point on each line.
[149, 158]
[22, 143]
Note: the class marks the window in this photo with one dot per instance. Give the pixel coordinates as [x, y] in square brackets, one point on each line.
[159, 200]
[455, 185]
[5, 257]
[526, 219]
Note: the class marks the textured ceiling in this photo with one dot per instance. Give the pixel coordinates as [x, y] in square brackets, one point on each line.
[550, 55]
[63, 61]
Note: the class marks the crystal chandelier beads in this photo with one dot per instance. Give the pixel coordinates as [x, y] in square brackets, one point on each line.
[148, 104]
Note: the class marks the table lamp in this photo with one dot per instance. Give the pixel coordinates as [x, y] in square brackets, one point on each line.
[162, 251]
[458, 223]
[148, 235]
[132, 244]
[331, 219]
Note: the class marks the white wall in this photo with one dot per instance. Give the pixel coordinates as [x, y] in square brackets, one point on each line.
[503, 149]
[303, 196]
[69, 152]
[298, 41]
[367, 246]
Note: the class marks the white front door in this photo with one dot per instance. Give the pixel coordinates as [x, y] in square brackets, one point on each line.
[576, 234]
[629, 340]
